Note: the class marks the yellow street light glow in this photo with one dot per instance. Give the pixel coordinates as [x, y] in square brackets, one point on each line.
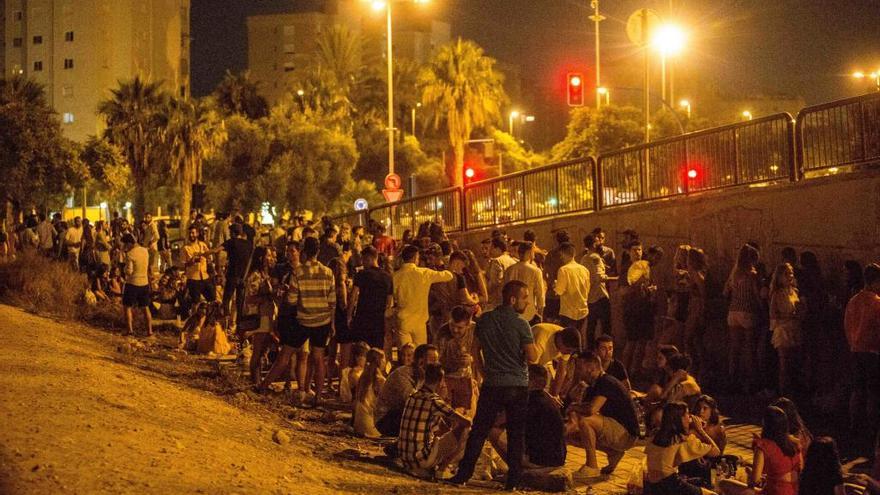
[874, 75]
[602, 90]
[858, 74]
[684, 103]
[669, 39]
[747, 114]
[514, 114]
[300, 92]
[378, 5]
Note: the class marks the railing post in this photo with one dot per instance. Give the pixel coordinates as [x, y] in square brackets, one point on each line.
[462, 208]
[522, 188]
[736, 178]
[598, 187]
[643, 174]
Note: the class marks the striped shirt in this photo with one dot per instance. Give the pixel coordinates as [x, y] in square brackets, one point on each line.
[316, 287]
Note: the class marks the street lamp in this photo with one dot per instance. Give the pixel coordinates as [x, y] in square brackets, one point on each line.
[873, 75]
[513, 115]
[669, 40]
[603, 92]
[378, 5]
[687, 106]
[418, 105]
[597, 18]
[747, 115]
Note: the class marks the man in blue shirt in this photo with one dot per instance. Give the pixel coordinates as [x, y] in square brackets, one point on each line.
[508, 347]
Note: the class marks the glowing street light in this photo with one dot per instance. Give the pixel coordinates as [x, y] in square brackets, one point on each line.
[873, 75]
[669, 40]
[603, 92]
[513, 115]
[747, 115]
[687, 106]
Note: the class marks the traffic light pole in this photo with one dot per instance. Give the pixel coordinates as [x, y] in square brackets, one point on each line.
[596, 18]
[390, 93]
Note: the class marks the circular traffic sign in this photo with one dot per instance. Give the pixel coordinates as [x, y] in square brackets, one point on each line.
[640, 26]
[393, 182]
[360, 204]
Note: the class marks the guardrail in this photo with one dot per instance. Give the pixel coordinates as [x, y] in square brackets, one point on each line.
[353, 219]
[565, 187]
[767, 149]
[759, 150]
[839, 134]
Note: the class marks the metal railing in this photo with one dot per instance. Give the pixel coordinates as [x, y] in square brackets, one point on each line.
[759, 150]
[443, 207]
[839, 133]
[353, 219]
[772, 148]
[566, 187]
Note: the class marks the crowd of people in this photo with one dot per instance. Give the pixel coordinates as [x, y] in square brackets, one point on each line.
[444, 348]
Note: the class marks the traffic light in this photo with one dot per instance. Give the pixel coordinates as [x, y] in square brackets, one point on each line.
[469, 174]
[575, 89]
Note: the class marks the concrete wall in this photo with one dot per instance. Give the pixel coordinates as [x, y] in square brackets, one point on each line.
[837, 217]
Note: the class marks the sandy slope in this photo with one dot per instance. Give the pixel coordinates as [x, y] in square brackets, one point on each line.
[76, 416]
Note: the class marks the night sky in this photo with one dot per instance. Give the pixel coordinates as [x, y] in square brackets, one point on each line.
[737, 47]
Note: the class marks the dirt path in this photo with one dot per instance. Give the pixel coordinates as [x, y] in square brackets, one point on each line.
[77, 416]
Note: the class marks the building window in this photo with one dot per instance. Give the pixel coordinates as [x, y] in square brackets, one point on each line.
[289, 67]
[38, 40]
[16, 70]
[67, 118]
[289, 48]
[68, 63]
[16, 42]
[67, 91]
[68, 36]
[38, 65]
[289, 30]
[17, 15]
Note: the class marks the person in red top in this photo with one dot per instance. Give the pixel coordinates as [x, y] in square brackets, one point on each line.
[383, 243]
[862, 325]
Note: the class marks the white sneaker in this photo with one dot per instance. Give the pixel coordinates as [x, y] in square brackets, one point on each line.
[587, 472]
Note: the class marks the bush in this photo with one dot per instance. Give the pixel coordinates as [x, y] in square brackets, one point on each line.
[47, 287]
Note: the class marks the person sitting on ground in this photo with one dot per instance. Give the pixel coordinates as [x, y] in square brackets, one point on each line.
[822, 474]
[398, 387]
[369, 385]
[605, 351]
[682, 386]
[405, 356]
[424, 451]
[350, 375]
[662, 374]
[796, 426]
[101, 283]
[706, 409]
[776, 455]
[604, 420]
[211, 336]
[555, 346]
[672, 446]
[545, 428]
[457, 350]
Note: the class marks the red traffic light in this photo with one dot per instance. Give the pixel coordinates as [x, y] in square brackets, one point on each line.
[692, 173]
[575, 89]
[469, 173]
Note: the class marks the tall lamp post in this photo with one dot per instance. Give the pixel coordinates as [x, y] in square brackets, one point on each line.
[669, 39]
[513, 115]
[597, 18]
[379, 5]
[686, 104]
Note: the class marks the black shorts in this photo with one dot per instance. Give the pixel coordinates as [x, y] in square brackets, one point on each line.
[344, 335]
[290, 332]
[369, 329]
[296, 335]
[137, 296]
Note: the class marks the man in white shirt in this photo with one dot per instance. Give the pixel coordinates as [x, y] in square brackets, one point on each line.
[411, 287]
[73, 242]
[46, 235]
[499, 261]
[136, 292]
[598, 303]
[150, 240]
[555, 345]
[528, 273]
[573, 289]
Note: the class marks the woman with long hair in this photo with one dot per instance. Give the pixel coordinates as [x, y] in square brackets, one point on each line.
[744, 291]
[706, 409]
[776, 455]
[476, 280]
[164, 246]
[796, 426]
[786, 312]
[259, 302]
[673, 445]
[369, 385]
[822, 474]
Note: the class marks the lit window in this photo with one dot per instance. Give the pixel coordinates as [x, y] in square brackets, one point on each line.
[38, 40]
[289, 48]
[68, 36]
[16, 41]
[16, 69]
[68, 63]
[38, 65]
[67, 118]
[67, 91]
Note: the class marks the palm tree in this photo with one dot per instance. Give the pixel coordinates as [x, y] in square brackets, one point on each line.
[236, 93]
[135, 122]
[194, 134]
[24, 91]
[462, 90]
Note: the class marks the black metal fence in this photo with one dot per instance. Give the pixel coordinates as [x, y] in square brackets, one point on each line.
[767, 149]
[839, 134]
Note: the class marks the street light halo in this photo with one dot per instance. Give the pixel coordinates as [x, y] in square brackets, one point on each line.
[669, 39]
[858, 74]
[602, 90]
[514, 114]
[377, 5]
[683, 103]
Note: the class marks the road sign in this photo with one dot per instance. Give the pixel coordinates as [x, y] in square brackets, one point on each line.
[392, 195]
[393, 182]
[640, 26]
[360, 204]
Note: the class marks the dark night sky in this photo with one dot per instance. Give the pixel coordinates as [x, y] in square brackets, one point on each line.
[743, 47]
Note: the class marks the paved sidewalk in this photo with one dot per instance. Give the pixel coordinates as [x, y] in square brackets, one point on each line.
[739, 442]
